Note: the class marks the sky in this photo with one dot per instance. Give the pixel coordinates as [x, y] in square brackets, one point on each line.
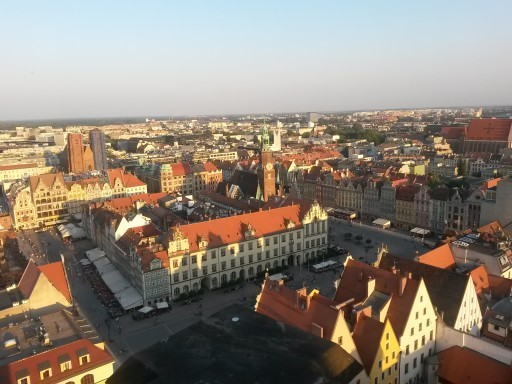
[72, 59]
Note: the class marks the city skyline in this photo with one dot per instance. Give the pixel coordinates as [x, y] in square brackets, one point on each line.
[85, 60]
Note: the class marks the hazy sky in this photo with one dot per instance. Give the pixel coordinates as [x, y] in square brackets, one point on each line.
[148, 58]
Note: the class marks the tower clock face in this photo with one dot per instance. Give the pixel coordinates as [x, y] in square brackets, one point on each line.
[269, 166]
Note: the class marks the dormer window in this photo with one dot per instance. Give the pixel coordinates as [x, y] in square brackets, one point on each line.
[45, 370]
[64, 362]
[23, 377]
[83, 356]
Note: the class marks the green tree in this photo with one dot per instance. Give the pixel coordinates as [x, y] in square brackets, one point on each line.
[306, 135]
[433, 181]
[357, 127]
[462, 167]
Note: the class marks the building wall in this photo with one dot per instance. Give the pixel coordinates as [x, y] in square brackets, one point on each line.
[447, 337]
[418, 341]
[387, 359]
[469, 314]
[75, 153]
[99, 149]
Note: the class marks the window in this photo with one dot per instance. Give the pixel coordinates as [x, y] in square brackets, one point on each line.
[223, 265]
[250, 246]
[176, 292]
[283, 250]
[214, 254]
[387, 336]
[415, 344]
[428, 322]
[185, 275]
[184, 261]
[422, 357]
[267, 254]
[194, 272]
[232, 263]
[267, 242]
[283, 237]
[241, 247]
[387, 346]
[420, 326]
[298, 235]
[203, 258]
[194, 259]
[87, 379]
[406, 368]
[412, 331]
[45, 374]
[394, 354]
[307, 243]
[425, 310]
[417, 314]
[422, 340]
[275, 240]
[415, 362]
[275, 252]
[340, 340]
[380, 363]
[214, 268]
[223, 252]
[242, 260]
[251, 259]
[205, 271]
[258, 256]
[406, 350]
[175, 263]
[431, 335]
[65, 366]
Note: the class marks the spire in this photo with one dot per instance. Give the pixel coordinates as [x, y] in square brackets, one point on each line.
[265, 138]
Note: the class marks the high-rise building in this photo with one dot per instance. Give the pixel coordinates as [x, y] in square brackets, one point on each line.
[99, 149]
[80, 158]
[312, 117]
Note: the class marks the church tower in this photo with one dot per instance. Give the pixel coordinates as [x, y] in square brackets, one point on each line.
[266, 172]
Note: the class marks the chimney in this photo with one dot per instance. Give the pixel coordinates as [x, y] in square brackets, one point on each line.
[370, 286]
[402, 282]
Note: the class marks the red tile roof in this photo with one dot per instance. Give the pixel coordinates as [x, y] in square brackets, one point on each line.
[181, 169]
[489, 129]
[453, 133]
[55, 274]
[29, 279]
[283, 304]
[97, 357]
[440, 257]
[232, 229]
[354, 285]
[367, 336]
[459, 365]
[209, 167]
[127, 179]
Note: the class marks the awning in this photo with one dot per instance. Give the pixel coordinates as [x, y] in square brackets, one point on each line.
[129, 298]
[381, 222]
[327, 263]
[146, 309]
[277, 277]
[162, 305]
[115, 281]
[94, 254]
[420, 231]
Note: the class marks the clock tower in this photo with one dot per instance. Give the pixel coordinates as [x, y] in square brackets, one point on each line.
[266, 171]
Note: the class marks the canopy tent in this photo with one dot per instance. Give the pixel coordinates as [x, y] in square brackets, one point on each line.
[146, 309]
[277, 277]
[383, 223]
[325, 264]
[103, 266]
[420, 232]
[94, 254]
[162, 305]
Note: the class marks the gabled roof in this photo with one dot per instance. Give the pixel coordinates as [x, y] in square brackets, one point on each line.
[367, 337]
[460, 365]
[445, 288]
[281, 303]
[73, 350]
[407, 192]
[489, 129]
[209, 167]
[440, 257]
[354, 285]
[232, 229]
[54, 274]
[47, 179]
[453, 133]
[127, 179]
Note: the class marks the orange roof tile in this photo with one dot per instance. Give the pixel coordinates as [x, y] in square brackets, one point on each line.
[367, 336]
[55, 274]
[440, 257]
[180, 169]
[29, 279]
[282, 304]
[97, 357]
[232, 229]
[209, 167]
[489, 129]
[459, 365]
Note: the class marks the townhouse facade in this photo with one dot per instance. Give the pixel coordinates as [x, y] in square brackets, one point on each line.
[184, 178]
[48, 199]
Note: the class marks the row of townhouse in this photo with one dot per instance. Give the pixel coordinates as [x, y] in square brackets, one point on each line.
[408, 203]
[185, 178]
[49, 199]
[208, 254]
[386, 316]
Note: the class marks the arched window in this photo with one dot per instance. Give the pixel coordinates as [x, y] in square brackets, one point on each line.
[267, 265]
[251, 271]
[224, 278]
[87, 379]
[195, 287]
[233, 275]
[185, 288]
[176, 291]
[214, 282]
[259, 269]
